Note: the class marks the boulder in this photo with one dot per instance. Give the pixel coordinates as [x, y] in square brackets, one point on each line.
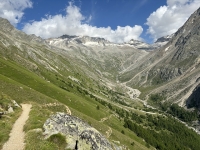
[75, 129]
[15, 103]
[10, 109]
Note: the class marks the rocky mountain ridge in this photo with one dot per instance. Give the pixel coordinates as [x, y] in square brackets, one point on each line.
[96, 41]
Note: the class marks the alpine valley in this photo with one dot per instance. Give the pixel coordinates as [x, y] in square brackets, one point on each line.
[104, 95]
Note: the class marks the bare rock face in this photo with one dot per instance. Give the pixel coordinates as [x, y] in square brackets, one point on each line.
[193, 100]
[75, 129]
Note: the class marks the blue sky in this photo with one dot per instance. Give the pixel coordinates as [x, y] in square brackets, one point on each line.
[116, 20]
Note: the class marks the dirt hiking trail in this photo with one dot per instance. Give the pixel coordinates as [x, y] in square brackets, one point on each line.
[16, 140]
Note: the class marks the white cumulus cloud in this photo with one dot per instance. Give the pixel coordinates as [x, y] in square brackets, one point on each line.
[13, 9]
[74, 23]
[168, 19]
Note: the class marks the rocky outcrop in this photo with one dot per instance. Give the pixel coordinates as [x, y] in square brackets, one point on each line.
[8, 107]
[75, 129]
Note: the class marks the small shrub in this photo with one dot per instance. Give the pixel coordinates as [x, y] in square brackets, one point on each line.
[89, 123]
[156, 97]
[59, 140]
[147, 145]
[132, 144]
[122, 132]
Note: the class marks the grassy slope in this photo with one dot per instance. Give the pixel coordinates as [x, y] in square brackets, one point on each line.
[24, 86]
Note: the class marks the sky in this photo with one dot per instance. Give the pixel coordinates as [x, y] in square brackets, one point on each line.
[115, 20]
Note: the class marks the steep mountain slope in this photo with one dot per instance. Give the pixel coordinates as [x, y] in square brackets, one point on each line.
[172, 70]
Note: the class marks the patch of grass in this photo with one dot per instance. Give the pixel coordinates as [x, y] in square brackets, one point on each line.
[35, 141]
[37, 117]
[144, 90]
[4, 101]
[156, 98]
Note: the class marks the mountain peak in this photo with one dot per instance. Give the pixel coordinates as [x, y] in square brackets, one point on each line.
[164, 39]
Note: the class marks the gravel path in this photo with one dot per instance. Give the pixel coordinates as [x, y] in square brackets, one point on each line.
[16, 140]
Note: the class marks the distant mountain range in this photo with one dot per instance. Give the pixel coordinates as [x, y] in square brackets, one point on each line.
[96, 41]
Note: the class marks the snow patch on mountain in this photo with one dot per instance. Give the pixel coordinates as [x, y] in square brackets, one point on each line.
[101, 43]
